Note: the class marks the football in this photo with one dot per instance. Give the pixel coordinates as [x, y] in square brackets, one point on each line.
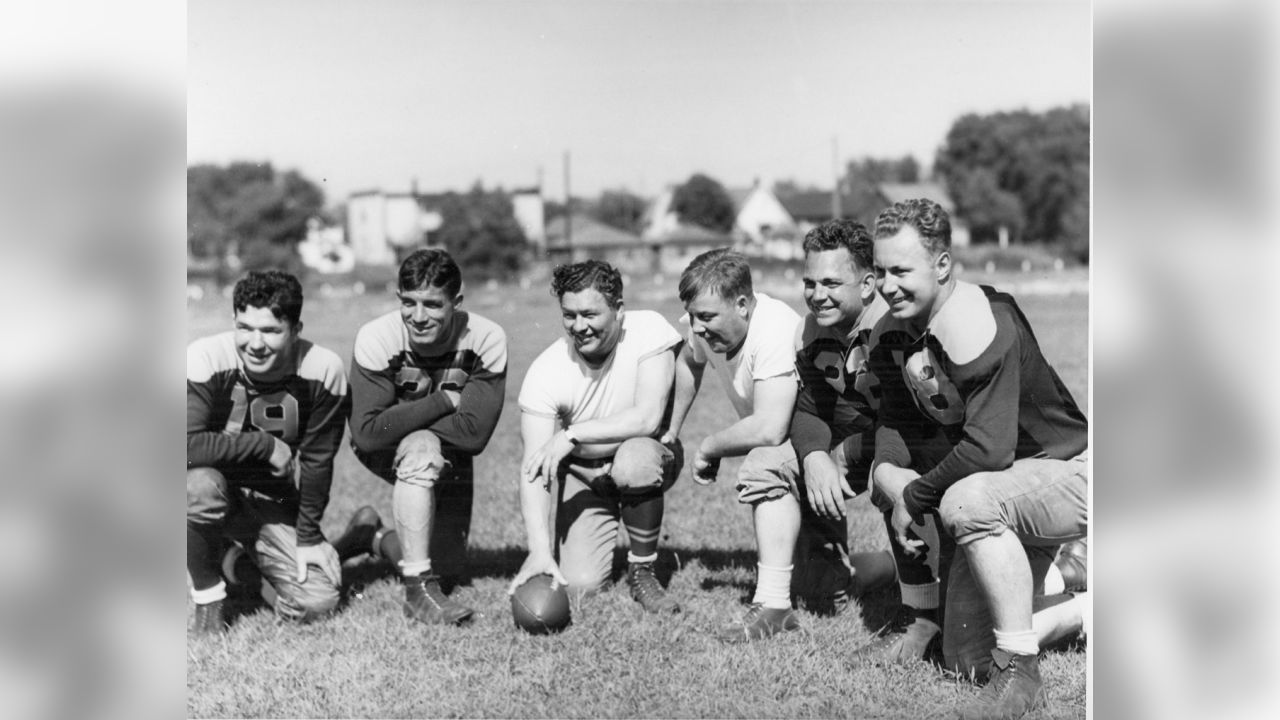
[538, 609]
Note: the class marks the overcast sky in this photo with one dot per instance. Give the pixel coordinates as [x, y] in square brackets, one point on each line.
[361, 95]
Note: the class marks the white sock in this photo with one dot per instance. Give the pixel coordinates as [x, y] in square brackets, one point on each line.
[1053, 582]
[920, 597]
[1086, 614]
[634, 558]
[1021, 642]
[773, 586]
[422, 567]
[209, 595]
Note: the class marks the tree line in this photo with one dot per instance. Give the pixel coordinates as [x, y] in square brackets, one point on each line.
[1022, 173]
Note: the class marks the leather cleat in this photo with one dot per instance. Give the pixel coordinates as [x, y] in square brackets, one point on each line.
[426, 602]
[360, 535]
[1013, 689]
[646, 590]
[906, 638]
[760, 623]
[210, 619]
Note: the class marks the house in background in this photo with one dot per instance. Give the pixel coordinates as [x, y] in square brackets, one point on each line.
[380, 225]
[589, 239]
[762, 225]
[812, 208]
[527, 205]
[685, 242]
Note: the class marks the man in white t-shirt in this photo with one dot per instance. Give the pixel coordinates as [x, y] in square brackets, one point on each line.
[746, 338]
[591, 407]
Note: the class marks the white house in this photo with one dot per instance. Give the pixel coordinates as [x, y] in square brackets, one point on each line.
[379, 222]
[526, 204]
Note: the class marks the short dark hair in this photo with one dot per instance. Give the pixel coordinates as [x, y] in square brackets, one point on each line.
[842, 233]
[430, 267]
[274, 289]
[597, 274]
[926, 216]
[722, 271]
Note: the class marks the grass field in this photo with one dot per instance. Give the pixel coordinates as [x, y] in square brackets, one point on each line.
[614, 661]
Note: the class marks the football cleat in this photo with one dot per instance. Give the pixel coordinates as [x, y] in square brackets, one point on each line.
[1073, 563]
[209, 619]
[426, 602]
[1013, 689]
[760, 623]
[646, 590]
[359, 536]
[909, 636]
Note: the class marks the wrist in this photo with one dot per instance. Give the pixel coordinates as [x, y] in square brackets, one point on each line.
[571, 436]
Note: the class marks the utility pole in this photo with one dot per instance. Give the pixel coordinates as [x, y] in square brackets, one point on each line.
[835, 175]
[568, 204]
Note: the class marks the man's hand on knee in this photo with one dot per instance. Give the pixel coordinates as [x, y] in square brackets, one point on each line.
[825, 486]
[323, 556]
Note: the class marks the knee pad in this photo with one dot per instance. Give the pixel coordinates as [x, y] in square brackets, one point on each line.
[208, 496]
[640, 467]
[419, 459]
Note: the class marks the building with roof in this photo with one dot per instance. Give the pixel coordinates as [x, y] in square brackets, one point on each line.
[812, 208]
[381, 225]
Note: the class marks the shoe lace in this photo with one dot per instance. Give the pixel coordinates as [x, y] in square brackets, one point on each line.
[432, 592]
[1001, 679]
[645, 583]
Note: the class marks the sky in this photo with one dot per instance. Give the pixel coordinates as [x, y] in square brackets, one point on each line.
[365, 95]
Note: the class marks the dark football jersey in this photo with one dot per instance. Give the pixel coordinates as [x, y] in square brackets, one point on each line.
[231, 420]
[839, 394]
[397, 390]
[976, 374]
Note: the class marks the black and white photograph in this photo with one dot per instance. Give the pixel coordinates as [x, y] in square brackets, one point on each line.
[458, 277]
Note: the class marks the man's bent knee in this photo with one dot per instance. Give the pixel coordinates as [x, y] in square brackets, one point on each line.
[420, 459]
[767, 473]
[307, 603]
[585, 584]
[643, 466]
[208, 496]
[970, 510]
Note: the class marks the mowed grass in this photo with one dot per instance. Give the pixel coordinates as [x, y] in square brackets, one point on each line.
[614, 661]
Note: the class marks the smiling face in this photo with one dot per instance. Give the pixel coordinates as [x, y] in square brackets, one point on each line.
[909, 277]
[427, 313]
[264, 342]
[593, 325]
[721, 322]
[835, 290]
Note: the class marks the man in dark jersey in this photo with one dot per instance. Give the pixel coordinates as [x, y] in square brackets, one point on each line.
[427, 386]
[833, 436]
[265, 410]
[977, 427]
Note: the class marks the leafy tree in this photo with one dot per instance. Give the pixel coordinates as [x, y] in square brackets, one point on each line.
[480, 231]
[621, 209]
[703, 201]
[1041, 159]
[252, 207]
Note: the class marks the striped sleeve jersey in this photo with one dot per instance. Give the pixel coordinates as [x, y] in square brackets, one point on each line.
[397, 389]
[975, 376]
[232, 420]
